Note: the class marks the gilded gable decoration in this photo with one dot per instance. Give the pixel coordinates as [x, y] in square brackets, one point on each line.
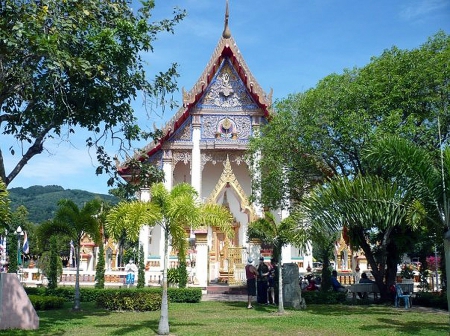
[215, 157]
[226, 127]
[229, 180]
[227, 92]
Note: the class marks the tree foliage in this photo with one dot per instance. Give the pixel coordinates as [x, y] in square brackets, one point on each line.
[141, 269]
[174, 211]
[4, 206]
[100, 268]
[321, 135]
[54, 264]
[75, 222]
[322, 132]
[371, 208]
[66, 65]
[426, 175]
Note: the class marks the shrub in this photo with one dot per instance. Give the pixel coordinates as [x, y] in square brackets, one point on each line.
[192, 295]
[434, 300]
[88, 294]
[46, 302]
[136, 300]
[322, 297]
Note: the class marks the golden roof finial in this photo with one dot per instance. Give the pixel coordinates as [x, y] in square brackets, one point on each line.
[226, 31]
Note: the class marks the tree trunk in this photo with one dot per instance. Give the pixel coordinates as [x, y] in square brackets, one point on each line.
[163, 327]
[280, 285]
[76, 303]
[447, 268]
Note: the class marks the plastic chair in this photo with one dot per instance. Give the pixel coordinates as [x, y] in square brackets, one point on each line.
[399, 295]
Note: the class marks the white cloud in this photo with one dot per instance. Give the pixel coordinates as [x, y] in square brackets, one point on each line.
[418, 10]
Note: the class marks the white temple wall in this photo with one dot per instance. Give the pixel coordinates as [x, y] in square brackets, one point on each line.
[210, 176]
[243, 175]
[181, 173]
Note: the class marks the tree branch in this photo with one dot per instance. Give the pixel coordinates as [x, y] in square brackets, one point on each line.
[35, 149]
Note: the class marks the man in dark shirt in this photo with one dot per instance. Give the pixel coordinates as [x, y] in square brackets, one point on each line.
[262, 283]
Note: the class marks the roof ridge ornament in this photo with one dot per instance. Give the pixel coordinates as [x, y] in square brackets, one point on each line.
[226, 30]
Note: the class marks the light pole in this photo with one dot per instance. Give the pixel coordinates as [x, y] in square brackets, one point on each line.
[18, 232]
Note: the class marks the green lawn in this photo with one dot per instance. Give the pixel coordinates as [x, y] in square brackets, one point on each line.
[232, 318]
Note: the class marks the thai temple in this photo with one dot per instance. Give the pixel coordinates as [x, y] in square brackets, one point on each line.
[204, 144]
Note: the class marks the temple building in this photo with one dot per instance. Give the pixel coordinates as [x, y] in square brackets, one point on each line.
[205, 144]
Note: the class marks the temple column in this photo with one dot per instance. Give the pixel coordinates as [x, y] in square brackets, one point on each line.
[145, 229]
[167, 169]
[257, 205]
[201, 264]
[196, 172]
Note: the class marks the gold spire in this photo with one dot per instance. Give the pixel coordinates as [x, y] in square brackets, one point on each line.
[226, 31]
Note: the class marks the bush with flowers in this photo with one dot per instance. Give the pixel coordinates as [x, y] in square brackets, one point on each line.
[407, 272]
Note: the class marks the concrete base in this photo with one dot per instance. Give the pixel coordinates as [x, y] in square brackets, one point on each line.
[16, 310]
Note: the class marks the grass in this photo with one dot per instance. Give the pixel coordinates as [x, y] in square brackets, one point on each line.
[232, 318]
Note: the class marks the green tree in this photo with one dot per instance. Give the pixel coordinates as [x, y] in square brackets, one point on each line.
[277, 234]
[75, 222]
[321, 133]
[12, 247]
[70, 64]
[425, 174]
[174, 211]
[100, 267]
[366, 205]
[141, 269]
[5, 214]
[55, 263]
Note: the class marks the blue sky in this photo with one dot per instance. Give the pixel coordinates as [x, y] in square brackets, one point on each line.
[289, 45]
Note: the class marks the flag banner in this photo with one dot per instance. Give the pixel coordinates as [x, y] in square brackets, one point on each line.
[26, 246]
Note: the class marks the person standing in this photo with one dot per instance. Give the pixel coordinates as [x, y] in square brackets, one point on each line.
[263, 273]
[273, 282]
[251, 273]
[130, 268]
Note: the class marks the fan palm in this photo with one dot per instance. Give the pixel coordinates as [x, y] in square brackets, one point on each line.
[424, 175]
[366, 205]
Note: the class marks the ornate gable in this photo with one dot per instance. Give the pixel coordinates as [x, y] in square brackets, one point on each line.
[226, 85]
[227, 92]
[229, 180]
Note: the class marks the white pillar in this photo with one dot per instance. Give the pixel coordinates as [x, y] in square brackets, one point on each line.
[196, 173]
[167, 169]
[201, 264]
[144, 232]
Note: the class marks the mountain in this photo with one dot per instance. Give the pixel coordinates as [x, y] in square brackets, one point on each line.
[42, 201]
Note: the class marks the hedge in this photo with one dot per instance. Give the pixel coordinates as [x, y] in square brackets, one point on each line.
[46, 302]
[88, 294]
[129, 300]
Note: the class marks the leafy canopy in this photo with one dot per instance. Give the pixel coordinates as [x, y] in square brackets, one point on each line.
[70, 64]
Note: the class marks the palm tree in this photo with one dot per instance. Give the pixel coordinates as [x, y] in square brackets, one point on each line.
[75, 222]
[278, 234]
[174, 211]
[365, 205]
[425, 175]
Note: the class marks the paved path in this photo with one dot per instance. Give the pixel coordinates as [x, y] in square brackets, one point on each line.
[224, 297]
